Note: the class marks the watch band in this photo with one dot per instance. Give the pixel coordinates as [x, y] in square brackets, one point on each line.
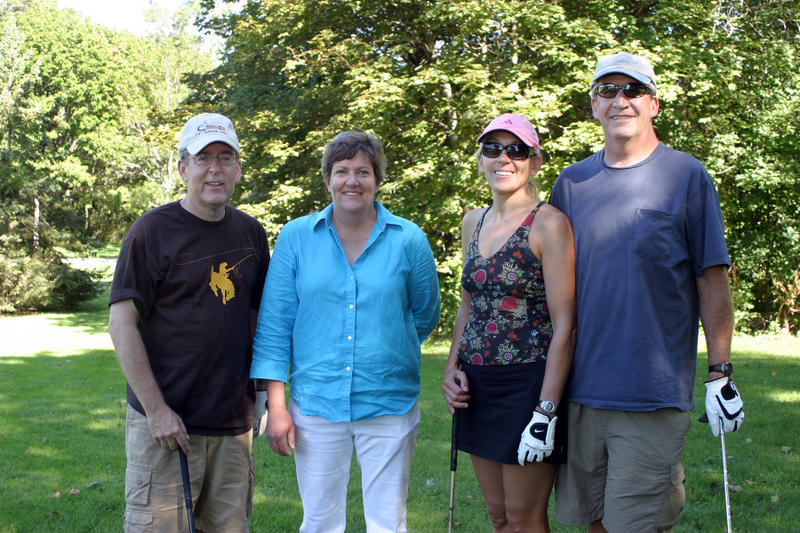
[726, 368]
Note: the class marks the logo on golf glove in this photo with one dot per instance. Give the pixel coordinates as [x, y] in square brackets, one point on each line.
[723, 406]
[537, 439]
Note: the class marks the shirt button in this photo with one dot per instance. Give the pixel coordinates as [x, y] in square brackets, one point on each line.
[348, 369]
[349, 337]
[351, 307]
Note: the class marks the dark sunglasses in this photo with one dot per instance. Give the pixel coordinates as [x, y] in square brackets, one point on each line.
[631, 90]
[516, 151]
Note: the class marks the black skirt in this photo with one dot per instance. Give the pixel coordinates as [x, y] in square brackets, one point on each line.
[502, 400]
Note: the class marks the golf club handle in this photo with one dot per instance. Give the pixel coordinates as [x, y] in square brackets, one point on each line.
[454, 438]
[454, 446]
[187, 485]
[187, 488]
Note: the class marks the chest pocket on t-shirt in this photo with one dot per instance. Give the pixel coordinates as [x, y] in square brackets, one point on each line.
[653, 234]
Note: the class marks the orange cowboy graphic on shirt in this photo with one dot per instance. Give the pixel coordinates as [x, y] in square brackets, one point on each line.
[221, 284]
[219, 278]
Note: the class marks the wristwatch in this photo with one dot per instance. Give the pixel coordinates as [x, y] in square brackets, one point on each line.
[726, 368]
[547, 406]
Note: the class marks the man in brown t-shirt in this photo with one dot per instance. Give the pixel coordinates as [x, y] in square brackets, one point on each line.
[184, 300]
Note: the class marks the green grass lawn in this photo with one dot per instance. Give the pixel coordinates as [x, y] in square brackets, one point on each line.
[62, 407]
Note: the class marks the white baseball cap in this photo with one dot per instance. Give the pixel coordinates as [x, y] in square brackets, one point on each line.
[206, 128]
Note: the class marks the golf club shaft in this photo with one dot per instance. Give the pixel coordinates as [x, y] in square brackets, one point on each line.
[725, 477]
[452, 501]
[453, 465]
[187, 488]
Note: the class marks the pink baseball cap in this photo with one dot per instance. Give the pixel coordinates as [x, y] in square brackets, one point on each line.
[516, 125]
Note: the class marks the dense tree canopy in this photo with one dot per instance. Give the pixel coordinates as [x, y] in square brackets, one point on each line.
[88, 120]
[89, 116]
[426, 76]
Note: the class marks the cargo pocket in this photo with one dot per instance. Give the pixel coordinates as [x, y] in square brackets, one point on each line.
[677, 495]
[137, 485]
[138, 521]
[653, 234]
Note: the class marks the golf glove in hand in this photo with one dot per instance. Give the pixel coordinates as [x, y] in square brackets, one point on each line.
[260, 414]
[537, 439]
[723, 404]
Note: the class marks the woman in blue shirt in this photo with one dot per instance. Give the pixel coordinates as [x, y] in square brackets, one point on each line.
[352, 291]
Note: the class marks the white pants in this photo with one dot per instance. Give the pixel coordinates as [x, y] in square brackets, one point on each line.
[323, 452]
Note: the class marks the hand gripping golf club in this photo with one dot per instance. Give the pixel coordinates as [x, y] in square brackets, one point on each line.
[704, 419]
[453, 465]
[187, 486]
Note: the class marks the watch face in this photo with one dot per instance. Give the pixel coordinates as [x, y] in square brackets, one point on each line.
[547, 406]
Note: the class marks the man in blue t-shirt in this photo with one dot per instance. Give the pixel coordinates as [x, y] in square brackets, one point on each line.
[651, 264]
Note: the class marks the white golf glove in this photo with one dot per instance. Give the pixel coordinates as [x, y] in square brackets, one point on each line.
[260, 414]
[723, 404]
[537, 439]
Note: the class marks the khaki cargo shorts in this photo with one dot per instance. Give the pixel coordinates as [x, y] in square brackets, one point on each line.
[624, 467]
[222, 474]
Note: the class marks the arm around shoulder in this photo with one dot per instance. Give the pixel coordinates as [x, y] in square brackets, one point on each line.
[554, 240]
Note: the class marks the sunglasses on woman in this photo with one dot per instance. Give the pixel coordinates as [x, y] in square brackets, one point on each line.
[516, 151]
[631, 90]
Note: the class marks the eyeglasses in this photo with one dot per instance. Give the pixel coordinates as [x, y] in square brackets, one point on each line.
[516, 151]
[631, 90]
[204, 160]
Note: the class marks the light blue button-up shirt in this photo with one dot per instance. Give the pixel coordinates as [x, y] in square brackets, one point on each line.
[347, 339]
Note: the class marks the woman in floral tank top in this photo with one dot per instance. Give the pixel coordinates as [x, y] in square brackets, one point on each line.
[513, 336]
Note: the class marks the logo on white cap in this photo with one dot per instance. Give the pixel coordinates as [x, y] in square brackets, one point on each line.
[204, 129]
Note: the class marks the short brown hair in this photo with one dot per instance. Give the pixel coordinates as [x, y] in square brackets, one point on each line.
[347, 144]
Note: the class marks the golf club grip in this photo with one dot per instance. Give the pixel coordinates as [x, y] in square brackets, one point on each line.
[454, 438]
[454, 445]
[187, 488]
[187, 485]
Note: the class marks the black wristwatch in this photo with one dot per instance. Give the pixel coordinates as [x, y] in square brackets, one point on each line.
[726, 368]
[547, 406]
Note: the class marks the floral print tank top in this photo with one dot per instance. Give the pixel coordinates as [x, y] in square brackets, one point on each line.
[508, 318]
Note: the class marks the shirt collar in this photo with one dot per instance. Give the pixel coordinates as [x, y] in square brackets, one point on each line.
[384, 218]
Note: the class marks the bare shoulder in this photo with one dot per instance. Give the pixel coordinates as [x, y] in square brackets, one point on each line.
[471, 219]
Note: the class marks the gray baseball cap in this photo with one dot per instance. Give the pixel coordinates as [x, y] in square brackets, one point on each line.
[631, 65]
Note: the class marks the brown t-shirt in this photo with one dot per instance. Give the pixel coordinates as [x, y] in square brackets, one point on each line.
[194, 283]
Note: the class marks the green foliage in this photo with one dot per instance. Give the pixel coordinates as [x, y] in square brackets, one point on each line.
[89, 122]
[33, 283]
[23, 284]
[426, 76]
[71, 287]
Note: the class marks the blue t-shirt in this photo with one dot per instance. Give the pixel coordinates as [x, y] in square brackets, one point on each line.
[347, 338]
[642, 235]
